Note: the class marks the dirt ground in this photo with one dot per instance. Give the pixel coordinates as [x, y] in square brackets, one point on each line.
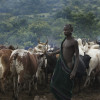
[45, 94]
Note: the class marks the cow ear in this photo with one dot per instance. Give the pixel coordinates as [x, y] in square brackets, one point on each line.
[41, 55]
[89, 57]
[17, 47]
[11, 47]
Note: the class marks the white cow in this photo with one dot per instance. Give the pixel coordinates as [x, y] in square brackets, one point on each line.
[93, 51]
[94, 63]
[81, 48]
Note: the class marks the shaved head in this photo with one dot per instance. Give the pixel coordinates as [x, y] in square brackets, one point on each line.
[69, 27]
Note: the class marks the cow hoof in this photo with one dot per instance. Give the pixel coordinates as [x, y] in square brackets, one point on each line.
[15, 98]
[3, 92]
[30, 94]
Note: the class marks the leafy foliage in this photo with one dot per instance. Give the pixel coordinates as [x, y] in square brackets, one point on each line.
[22, 22]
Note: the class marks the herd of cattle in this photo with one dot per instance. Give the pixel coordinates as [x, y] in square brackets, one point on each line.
[20, 66]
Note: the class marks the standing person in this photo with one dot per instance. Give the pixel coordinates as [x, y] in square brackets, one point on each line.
[65, 69]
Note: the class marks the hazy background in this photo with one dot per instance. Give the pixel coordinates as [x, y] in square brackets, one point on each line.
[22, 22]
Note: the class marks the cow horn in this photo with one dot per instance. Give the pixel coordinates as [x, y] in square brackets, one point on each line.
[46, 42]
[17, 47]
[88, 40]
[38, 40]
[47, 45]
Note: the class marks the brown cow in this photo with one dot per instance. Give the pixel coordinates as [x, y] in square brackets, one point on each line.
[5, 53]
[24, 66]
[4, 66]
[9, 47]
[3, 47]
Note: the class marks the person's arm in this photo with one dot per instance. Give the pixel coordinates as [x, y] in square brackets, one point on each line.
[55, 52]
[76, 60]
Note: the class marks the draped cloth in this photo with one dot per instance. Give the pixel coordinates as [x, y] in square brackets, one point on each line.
[61, 85]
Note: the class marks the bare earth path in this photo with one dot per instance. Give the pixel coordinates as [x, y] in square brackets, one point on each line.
[45, 94]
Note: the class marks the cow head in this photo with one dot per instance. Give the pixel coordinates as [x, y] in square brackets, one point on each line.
[42, 63]
[41, 47]
[11, 47]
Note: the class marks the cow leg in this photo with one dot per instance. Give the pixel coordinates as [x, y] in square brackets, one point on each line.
[79, 84]
[15, 95]
[30, 87]
[18, 89]
[35, 83]
[3, 85]
[4, 79]
[51, 76]
[46, 76]
[43, 79]
[14, 87]
[87, 82]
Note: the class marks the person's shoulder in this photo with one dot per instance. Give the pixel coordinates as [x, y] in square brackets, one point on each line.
[75, 41]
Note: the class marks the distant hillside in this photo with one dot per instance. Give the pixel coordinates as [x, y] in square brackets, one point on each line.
[22, 22]
[24, 7]
[27, 7]
[83, 6]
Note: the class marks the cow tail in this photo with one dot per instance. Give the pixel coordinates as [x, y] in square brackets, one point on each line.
[14, 76]
[98, 67]
[13, 65]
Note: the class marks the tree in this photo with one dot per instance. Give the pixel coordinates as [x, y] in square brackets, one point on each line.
[40, 28]
[85, 23]
[65, 13]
